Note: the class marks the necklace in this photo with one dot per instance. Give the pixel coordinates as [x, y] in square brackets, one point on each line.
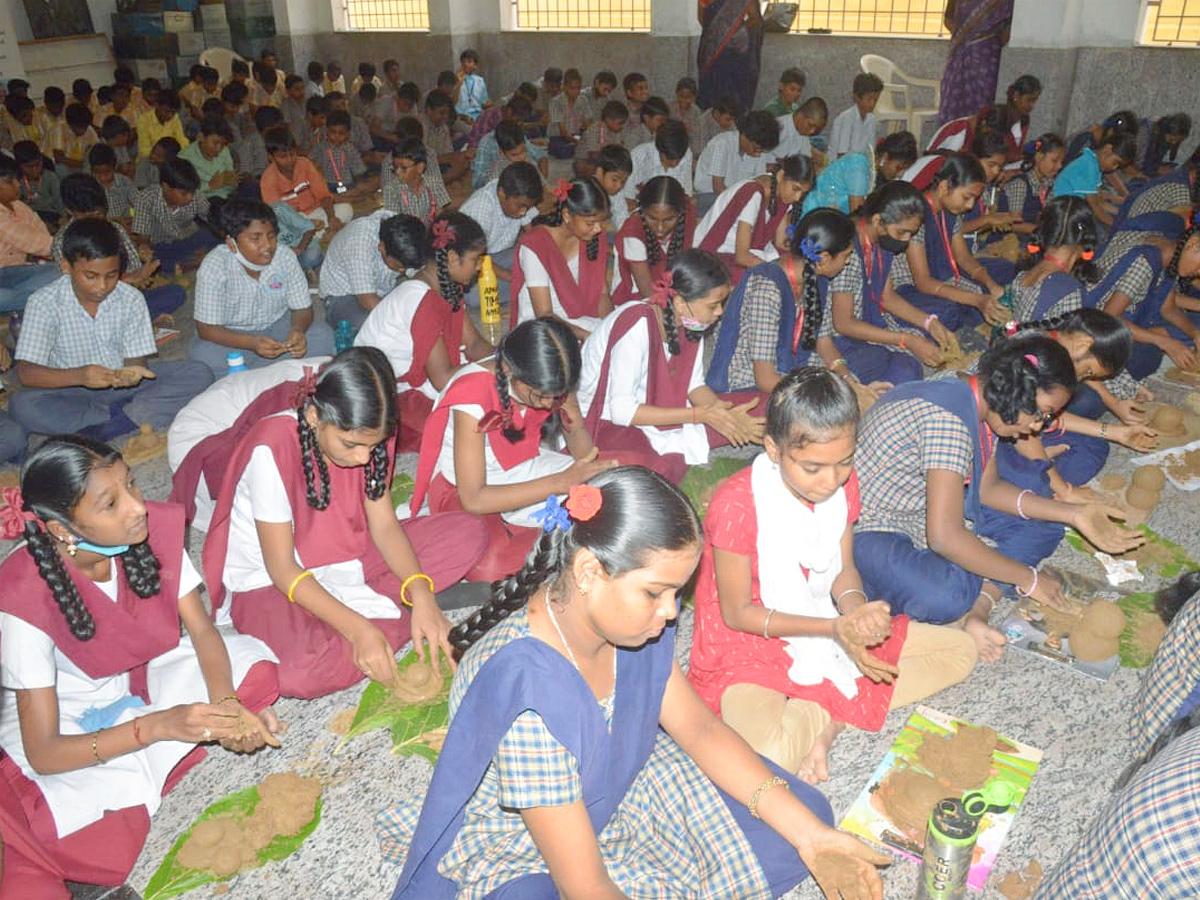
[571, 654]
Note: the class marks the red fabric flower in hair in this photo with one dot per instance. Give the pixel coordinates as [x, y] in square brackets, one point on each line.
[584, 501]
[13, 514]
[561, 190]
[443, 234]
[664, 290]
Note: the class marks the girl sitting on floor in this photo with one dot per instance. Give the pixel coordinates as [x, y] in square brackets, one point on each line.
[103, 701]
[789, 662]
[642, 386]
[775, 320]
[1028, 192]
[305, 540]
[422, 325]
[1166, 205]
[485, 450]
[845, 183]
[1085, 175]
[649, 241]
[926, 466]
[580, 762]
[937, 273]
[868, 316]
[560, 267]
[747, 220]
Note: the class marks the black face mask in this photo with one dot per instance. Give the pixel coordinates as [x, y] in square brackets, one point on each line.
[892, 245]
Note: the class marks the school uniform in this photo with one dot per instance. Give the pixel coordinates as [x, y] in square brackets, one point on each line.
[227, 296]
[265, 482]
[1079, 178]
[59, 334]
[724, 159]
[596, 137]
[576, 285]
[574, 116]
[424, 203]
[852, 175]
[690, 119]
[208, 169]
[294, 117]
[1134, 268]
[90, 824]
[1027, 194]
[955, 136]
[150, 131]
[791, 141]
[647, 164]
[23, 234]
[341, 165]
[406, 325]
[1149, 207]
[500, 230]
[852, 132]
[353, 265]
[472, 95]
[43, 196]
[120, 196]
[172, 230]
[485, 124]
[386, 109]
[305, 190]
[743, 202]
[632, 244]
[488, 157]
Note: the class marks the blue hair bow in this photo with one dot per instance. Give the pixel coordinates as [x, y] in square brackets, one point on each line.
[810, 250]
[790, 231]
[552, 515]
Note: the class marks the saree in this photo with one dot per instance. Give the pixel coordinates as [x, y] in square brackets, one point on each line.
[973, 59]
[730, 51]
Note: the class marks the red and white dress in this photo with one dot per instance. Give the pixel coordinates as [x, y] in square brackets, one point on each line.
[575, 285]
[630, 246]
[743, 202]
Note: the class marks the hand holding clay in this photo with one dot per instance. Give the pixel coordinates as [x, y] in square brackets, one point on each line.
[296, 344]
[191, 723]
[735, 423]
[927, 352]
[945, 338]
[430, 626]
[993, 310]
[268, 347]
[252, 733]
[1096, 523]
[1080, 495]
[373, 654]
[869, 624]
[1135, 437]
[1049, 592]
[1131, 412]
[128, 376]
[842, 865]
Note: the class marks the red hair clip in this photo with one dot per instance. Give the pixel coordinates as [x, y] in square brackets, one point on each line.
[583, 502]
[1011, 328]
[444, 234]
[561, 190]
[1032, 248]
[664, 290]
[1087, 255]
[13, 514]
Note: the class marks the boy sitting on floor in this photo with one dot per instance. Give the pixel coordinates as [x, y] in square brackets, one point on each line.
[503, 208]
[23, 234]
[165, 217]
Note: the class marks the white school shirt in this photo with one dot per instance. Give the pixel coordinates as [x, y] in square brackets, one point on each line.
[389, 327]
[484, 207]
[723, 158]
[537, 276]
[791, 141]
[633, 249]
[647, 164]
[261, 496]
[547, 462]
[29, 660]
[628, 377]
[227, 296]
[851, 133]
[748, 215]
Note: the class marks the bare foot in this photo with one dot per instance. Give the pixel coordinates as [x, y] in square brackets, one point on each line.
[990, 641]
[271, 720]
[814, 768]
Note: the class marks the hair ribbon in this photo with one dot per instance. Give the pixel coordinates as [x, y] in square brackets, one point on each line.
[13, 514]
[1011, 327]
[664, 290]
[553, 515]
[561, 190]
[1032, 359]
[305, 387]
[444, 234]
[810, 250]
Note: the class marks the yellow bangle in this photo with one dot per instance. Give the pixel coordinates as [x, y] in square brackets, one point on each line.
[233, 697]
[409, 580]
[295, 581]
[95, 751]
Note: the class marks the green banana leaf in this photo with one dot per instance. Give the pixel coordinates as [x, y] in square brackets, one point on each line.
[402, 489]
[171, 879]
[700, 481]
[1132, 656]
[1178, 563]
[409, 724]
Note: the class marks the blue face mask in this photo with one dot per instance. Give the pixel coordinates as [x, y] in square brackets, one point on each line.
[115, 550]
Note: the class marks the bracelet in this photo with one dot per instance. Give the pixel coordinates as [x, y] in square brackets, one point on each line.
[96, 752]
[137, 734]
[1020, 497]
[230, 697]
[295, 581]
[1032, 587]
[839, 362]
[837, 601]
[932, 317]
[1104, 431]
[774, 781]
[767, 624]
[409, 580]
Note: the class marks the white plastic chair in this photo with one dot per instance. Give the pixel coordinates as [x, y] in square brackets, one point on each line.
[220, 59]
[896, 103]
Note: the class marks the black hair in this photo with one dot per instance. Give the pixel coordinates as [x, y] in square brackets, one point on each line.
[509, 136]
[814, 108]
[313, 106]
[410, 127]
[671, 139]
[468, 236]
[25, 152]
[292, 80]
[409, 91]
[469, 53]
[1123, 121]
[169, 145]
[92, 239]
[633, 79]
[552, 75]
[1112, 341]
[989, 143]
[832, 232]
[217, 126]
[446, 79]
[124, 75]
[663, 190]
[694, 273]
[356, 389]
[606, 76]
[1124, 146]
[544, 354]
[213, 108]
[367, 92]
[113, 88]
[793, 75]
[687, 83]
[438, 100]
[1173, 266]
[520, 107]
[1065, 222]
[266, 118]
[114, 126]
[81, 87]
[277, 139]
[809, 405]
[337, 118]
[528, 90]
[867, 83]
[366, 70]
[894, 201]
[900, 146]
[615, 111]
[958, 170]
[1025, 85]
[265, 75]
[615, 158]
[1158, 150]
[236, 93]
[1193, 167]
[641, 513]
[54, 95]
[727, 105]
[522, 179]
[761, 129]
[403, 238]
[179, 174]
[53, 481]
[333, 66]
[1045, 143]
[412, 149]
[8, 167]
[18, 103]
[389, 64]
[100, 155]
[572, 75]
[239, 67]
[654, 106]
[315, 70]
[78, 115]
[82, 193]
[585, 198]
[105, 94]
[265, 52]
[169, 98]
[1010, 380]
[797, 168]
[239, 213]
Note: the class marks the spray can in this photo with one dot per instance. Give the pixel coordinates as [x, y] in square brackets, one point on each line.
[489, 300]
[234, 362]
[950, 840]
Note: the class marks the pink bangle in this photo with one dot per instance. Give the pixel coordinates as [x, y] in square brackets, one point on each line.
[1032, 586]
[932, 317]
[1020, 497]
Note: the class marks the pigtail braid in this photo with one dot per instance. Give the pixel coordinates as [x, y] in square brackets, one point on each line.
[812, 307]
[142, 570]
[310, 451]
[1173, 266]
[450, 289]
[377, 467]
[677, 238]
[771, 197]
[593, 248]
[50, 566]
[512, 593]
[653, 250]
[510, 432]
[670, 328]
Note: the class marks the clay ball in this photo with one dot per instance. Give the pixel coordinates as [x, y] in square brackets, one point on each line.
[1103, 619]
[1089, 647]
[1140, 498]
[1149, 478]
[1167, 418]
[208, 833]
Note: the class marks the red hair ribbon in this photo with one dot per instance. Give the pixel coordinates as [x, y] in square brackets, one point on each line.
[561, 190]
[1011, 328]
[444, 234]
[584, 501]
[664, 290]
[13, 514]
[305, 387]
[1032, 359]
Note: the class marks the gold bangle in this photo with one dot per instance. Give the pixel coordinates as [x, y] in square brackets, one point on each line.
[295, 581]
[95, 751]
[409, 580]
[234, 697]
[774, 781]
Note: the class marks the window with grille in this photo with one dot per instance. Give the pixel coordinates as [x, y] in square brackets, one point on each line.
[386, 15]
[582, 15]
[897, 18]
[1171, 23]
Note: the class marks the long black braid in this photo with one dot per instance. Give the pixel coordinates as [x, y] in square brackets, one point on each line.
[1181, 281]
[460, 233]
[377, 471]
[510, 594]
[447, 286]
[773, 195]
[654, 248]
[813, 310]
[54, 572]
[1193, 164]
[310, 451]
[670, 328]
[584, 198]
[511, 432]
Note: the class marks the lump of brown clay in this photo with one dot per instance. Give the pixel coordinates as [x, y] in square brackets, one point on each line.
[1112, 482]
[1103, 619]
[1167, 420]
[1149, 478]
[1090, 647]
[1140, 498]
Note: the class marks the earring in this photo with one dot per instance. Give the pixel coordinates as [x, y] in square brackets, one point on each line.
[584, 590]
[71, 549]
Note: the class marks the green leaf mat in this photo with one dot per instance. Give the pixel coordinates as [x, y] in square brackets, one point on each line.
[1178, 563]
[408, 723]
[402, 489]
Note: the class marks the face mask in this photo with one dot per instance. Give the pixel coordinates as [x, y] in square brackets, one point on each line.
[115, 550]
[692, 324]
[892, 245]
[253, 267]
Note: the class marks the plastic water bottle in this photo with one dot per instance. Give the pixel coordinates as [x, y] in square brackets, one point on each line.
[950, 840]
[489, 301]
[343, 336]
[234, 362]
